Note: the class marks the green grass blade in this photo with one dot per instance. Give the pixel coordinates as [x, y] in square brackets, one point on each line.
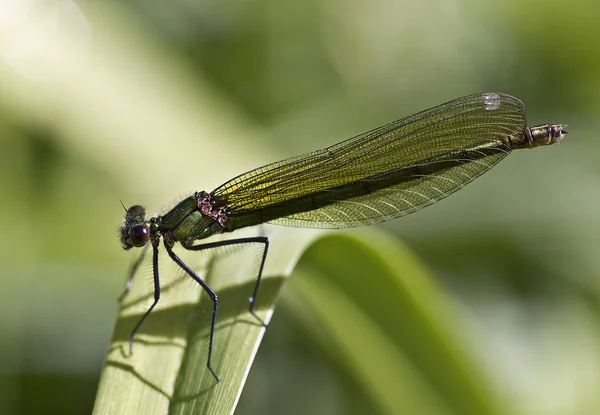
[362, 294]
[167, 372]
[380, 315]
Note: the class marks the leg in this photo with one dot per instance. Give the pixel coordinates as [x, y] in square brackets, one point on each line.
[156, 292]
[213, 296]
[132, 272]
[257, 239]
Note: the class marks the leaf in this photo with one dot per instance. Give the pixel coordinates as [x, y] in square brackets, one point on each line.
[381, 316]
[362, 294]
[167, 371]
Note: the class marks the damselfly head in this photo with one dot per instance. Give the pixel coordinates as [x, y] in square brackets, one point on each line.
[135, 230]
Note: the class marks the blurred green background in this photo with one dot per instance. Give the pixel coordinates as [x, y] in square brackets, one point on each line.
[146, 101]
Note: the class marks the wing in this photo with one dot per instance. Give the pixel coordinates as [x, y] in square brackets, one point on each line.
[382, 174]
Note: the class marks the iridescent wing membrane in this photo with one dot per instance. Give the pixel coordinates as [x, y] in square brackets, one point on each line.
[382, 174]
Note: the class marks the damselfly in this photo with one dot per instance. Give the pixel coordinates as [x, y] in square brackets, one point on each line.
[385, 173]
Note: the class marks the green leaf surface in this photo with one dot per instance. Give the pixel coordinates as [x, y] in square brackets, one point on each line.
[363, 296]
[382, 317]
[167, 371]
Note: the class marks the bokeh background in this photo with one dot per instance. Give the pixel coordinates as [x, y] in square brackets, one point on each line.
[144, 101]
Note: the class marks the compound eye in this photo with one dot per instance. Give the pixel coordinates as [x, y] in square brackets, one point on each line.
[139, 235]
